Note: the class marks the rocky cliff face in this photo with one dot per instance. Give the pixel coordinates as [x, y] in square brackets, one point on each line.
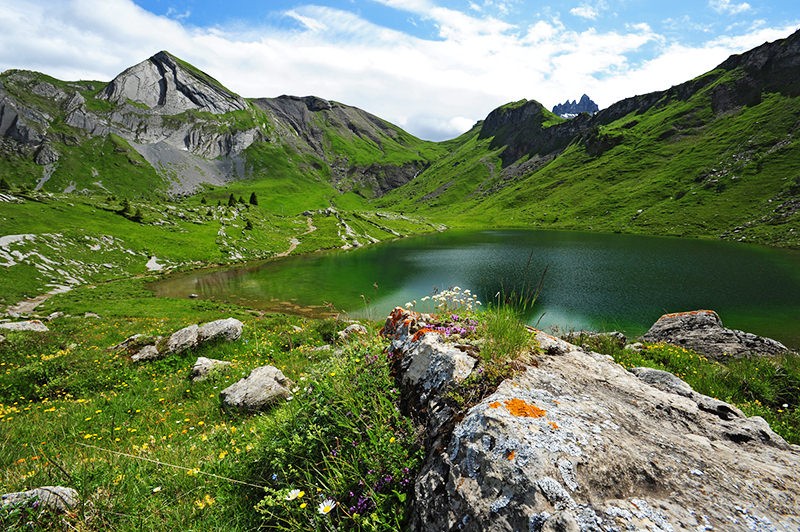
[576, 442]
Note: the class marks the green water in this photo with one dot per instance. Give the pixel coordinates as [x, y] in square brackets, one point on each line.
[592, 281]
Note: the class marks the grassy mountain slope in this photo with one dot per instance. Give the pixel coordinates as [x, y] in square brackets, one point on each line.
[713, 157]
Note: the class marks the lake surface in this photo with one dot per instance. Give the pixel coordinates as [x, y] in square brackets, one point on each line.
[592, 281]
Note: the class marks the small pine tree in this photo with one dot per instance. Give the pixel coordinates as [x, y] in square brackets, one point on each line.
[231, 201]
[248, 226]
[4, 186]
[209, 213]
[203, 200]
[126, 206]
[240, 200]
[253, 199]
[137, 216]
[219, 203]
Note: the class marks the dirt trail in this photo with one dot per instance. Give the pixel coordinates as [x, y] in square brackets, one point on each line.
[294, 242]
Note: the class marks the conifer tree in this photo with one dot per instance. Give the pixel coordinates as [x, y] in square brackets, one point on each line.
[231, 200]
[253, 199]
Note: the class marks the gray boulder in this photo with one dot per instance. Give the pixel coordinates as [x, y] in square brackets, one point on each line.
[182, 339]
[30, 325]
[204, 366]
[229, 329]
[352, 330]
[579, 443]
[148, 352]
[702, 331]
[590, 337]
[265, 386]
[55, 498]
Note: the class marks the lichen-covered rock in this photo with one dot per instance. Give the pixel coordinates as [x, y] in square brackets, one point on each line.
[30, 325]
[579, 443]
[182, 339]
[265, 386]
[228, 329]
[702, 331]
[55, 498]
[203, 366]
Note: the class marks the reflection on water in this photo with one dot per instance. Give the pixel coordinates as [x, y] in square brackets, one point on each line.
[592, 281]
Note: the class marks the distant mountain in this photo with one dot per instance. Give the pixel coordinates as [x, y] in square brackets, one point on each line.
[571, 109]
[163, 126]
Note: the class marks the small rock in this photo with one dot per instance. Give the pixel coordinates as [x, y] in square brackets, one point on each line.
[635, 346]
[148, 352]
[30, 325]
[229, 329]
[264, 386]
[54, 315]
[57, 498]
[204, 366]
[351, 330]
[182, 339]
[2, 338]
[91, 315]
[590, 337]
[193, 296]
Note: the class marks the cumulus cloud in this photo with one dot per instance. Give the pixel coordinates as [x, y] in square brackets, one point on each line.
[435, 88]
[584, 11]
[727, 7]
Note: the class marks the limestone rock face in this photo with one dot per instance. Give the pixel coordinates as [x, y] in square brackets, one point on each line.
[204, 366]
[161, 82]
[258, 391]
[579, 443]
[229, 329]
[56, 498]
[702, 331]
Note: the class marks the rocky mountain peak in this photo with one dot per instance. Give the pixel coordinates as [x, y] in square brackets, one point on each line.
[172, 86]
[570, 109]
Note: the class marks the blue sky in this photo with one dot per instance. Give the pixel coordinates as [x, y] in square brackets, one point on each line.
[433, 67]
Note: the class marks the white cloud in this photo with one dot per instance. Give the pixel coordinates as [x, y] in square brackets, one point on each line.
[434, 88]
[584, 11]
[727, 7]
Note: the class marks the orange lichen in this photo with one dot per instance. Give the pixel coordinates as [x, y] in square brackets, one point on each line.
[494, 405]
[511, 455]
[518, 407]
[419, 333]
[553, 425]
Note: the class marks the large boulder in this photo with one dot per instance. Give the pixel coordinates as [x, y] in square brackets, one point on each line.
[228, 329]
[577, 442]
[265, 386]
[702, 331]
[182, 339]
[55, 498]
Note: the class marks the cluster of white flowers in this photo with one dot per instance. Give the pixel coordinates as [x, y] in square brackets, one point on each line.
[451, 300]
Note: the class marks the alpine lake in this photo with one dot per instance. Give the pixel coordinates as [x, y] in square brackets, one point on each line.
[584, 281]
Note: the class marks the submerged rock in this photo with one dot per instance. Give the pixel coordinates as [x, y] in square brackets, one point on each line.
[579, 443]
[265, 386]
[702, 331]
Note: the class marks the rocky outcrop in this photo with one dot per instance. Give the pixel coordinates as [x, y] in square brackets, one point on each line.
[54, 498]
[702, 331]
[264, 387]
[143, 348]
[162, 82]
[576, 442]
[354, 329]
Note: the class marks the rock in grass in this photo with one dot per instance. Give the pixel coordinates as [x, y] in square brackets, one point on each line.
[55, 498]
[204, 366]
[30, 325]
[702, 331]
[148, 352]
[182, 339]
[352, 330]
[265, 386]
[229, 329]
[2, 338]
